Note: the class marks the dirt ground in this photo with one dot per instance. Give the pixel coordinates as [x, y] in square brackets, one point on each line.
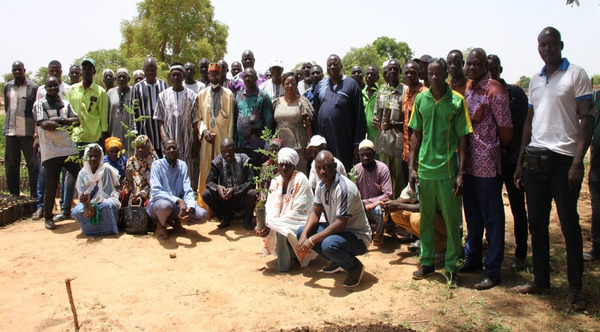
[218, 281]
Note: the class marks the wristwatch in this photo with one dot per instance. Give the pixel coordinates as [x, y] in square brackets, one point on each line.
[62, 120]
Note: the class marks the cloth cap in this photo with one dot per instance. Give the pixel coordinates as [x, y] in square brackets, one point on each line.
[141, 140]
[90, 60]
[107, 71]
[424, 58]
[123, 71]
[176, 67]
[288, 155]
[112, 142]
[317, 140]
[214, 66]
[138, 72]
[385, 63]
[277, 142]
[276, 63]
[366, 143]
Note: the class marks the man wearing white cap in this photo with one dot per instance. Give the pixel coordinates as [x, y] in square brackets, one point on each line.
[273, 86]
[375, 186]
[118, 99]
[108, 77]
[317, 144]
[177, 115]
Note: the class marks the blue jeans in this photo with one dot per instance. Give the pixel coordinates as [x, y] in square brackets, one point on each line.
[340, 248]
[594, 183]
[375, 216]
[540, 188]
[41, 187]
[484, 209]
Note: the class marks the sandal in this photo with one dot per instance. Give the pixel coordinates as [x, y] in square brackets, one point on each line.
[530, 288]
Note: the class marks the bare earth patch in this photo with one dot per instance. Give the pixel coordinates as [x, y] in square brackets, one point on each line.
[218, 281]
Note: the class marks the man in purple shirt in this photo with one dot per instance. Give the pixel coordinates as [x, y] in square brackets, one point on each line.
[488, 105]
[237, 83]
[375, 186]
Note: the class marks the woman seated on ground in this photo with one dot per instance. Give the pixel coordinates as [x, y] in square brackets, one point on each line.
[98, 208]
[138, 170]
[288, 205]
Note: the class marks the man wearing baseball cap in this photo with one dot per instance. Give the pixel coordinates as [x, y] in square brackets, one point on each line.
[273, 86]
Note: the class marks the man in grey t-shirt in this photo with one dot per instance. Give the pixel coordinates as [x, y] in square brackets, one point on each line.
[346, 234]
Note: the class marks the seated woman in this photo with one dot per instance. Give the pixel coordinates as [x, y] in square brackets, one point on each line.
[98, 208]
[138, 170]
[288, 205]
[113, 146]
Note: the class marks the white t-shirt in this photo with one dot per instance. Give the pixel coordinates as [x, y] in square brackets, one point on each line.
[554, 102]
[54, 143]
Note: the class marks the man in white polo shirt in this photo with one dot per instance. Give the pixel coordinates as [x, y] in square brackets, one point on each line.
[556, 136]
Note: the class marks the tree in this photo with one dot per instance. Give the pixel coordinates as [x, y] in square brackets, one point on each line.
[524, 82]
[390, 49]
[573, 2]
[174, 30]
[596, 79]
[363, 56]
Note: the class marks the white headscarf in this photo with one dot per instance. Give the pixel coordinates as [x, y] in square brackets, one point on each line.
[91, 177]
[288, 155]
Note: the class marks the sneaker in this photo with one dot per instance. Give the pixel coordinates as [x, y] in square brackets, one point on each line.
[591, 255]
[37, 214]
[424, 272]
[452, 279]
[354, 276]
[49, 224]
[331, 268]
[61, 217]
[415, 245]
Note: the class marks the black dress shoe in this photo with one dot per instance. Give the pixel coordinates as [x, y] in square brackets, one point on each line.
[518, 264]
[469, 266]
[225, 222]
[487, 283]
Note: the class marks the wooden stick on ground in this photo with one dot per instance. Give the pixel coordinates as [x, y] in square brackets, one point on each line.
[68, 283]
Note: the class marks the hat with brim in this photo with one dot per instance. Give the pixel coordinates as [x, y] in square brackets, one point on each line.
[426, 58]
[90, 60]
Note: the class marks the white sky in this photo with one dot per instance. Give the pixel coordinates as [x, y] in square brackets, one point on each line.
[295, 31]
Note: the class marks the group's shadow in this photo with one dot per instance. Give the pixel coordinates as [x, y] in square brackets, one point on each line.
[174, 239]
[234, 232]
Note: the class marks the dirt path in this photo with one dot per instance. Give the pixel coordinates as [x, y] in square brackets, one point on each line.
[220, 282]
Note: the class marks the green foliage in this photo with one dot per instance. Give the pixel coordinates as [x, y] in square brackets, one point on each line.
[389, 48]
[596, 79]
[524, 82]
[382, 49]
[266, 172]
[174, 30]
[353, 175]
[114, 59]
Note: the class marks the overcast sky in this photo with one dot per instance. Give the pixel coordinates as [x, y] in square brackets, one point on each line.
[37, 31]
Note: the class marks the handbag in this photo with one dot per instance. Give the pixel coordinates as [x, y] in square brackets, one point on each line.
[136, 219]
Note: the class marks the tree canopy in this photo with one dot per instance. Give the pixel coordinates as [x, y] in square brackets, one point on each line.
[174, 30]
[524, 82]
[382, 49]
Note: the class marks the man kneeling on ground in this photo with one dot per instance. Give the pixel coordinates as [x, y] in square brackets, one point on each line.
[230, 186]
[172, 196]
[347, 233]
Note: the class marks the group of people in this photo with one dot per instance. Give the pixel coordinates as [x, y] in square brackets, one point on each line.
[417, 152]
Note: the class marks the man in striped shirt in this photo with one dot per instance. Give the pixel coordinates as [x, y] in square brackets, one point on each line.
[145, 95]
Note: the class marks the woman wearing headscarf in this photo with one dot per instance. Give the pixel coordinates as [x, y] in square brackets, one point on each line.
[289, 203]
[138, 170]
[113, 146]
[98, 208]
